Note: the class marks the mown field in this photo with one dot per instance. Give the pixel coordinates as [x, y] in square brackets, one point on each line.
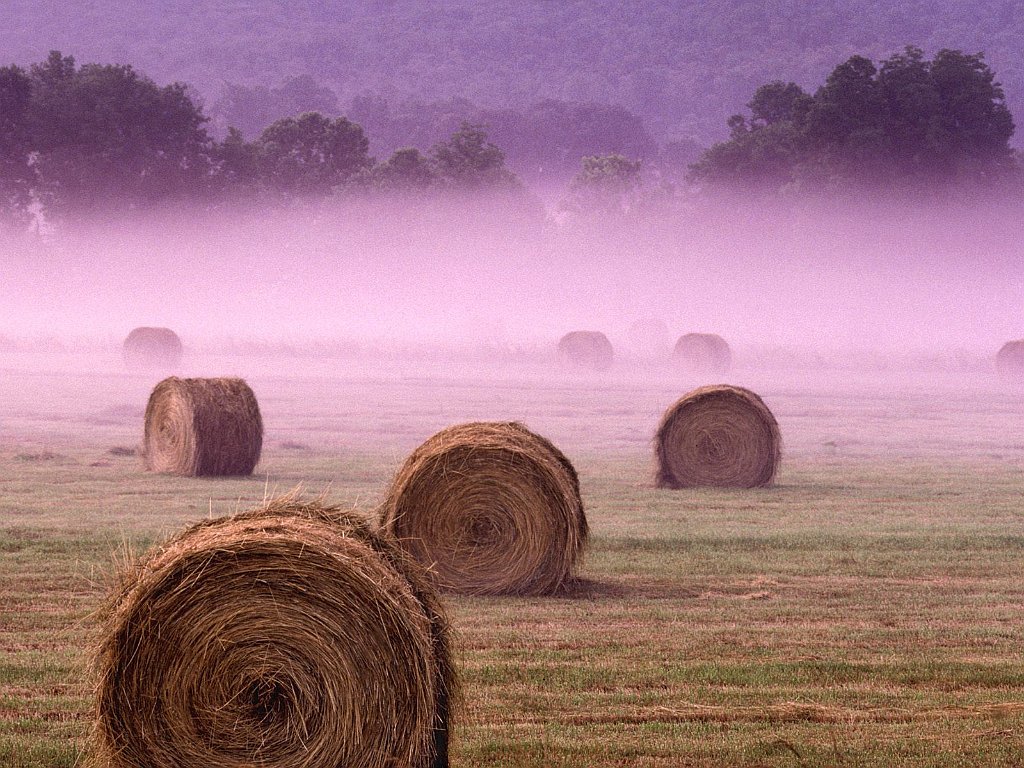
[867, 610]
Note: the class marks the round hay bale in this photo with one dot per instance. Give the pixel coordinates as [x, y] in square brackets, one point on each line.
[490, 508]
[147, 349]
[1010, 360]
[202, 428]
[703, 353]
[291, 636]
[586, 349]
[719, 436]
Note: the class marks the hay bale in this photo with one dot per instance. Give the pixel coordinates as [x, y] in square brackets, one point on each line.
[1010, 360]
[148, 349]
[202, 427]
[586, 349]
[291, 636]
[703, 353]
[720, 436]
[491, 508]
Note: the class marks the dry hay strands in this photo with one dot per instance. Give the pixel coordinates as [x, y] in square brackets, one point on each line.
[291, 636]
[147, 349]
[703, 353]
[718, 436]
[490, 508]
[1010, 360]
[202, 427]
[586, 349]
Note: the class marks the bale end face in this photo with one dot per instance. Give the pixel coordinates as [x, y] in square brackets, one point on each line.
[490, 508]
[718, 436]
[288, 635]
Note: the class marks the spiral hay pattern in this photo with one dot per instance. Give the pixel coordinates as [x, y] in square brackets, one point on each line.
[586, 349]
[719, 436]
[152, 349]
[490, 508]
[202, 427]
[291, 636]
[1010, 360]
[703, 353]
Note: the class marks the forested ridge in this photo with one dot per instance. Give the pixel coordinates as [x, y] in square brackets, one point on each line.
[683, 66]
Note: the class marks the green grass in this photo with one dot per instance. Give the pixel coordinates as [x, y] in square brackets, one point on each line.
[863, 612]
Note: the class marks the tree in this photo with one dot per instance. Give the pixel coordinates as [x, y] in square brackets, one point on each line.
[311, 154]
[973, 116]
[843, 138]
[779, 102]
[910, 123]
[469, 161]
[237, 163]
[543, 141]
[762, 152]
[106, 136]
[407, 170]
[16, 173]
[910, 117]
[606, 184]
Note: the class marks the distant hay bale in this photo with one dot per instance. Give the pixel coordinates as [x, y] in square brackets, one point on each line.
[490, 508]
[1010, 360]
[288, 636]
[586, 349]
[152, 349]
[703, 353]
[718, 436]
[202, 427]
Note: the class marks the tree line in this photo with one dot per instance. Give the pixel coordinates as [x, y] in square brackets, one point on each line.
[542, 141]
[910, 123]
[76, 140]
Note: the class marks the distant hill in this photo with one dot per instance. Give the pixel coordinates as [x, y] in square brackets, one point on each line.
[683, 66]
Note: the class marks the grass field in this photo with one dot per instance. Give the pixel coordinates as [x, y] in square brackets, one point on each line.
[866, 611]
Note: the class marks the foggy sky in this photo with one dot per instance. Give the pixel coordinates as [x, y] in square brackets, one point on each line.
[873, 278]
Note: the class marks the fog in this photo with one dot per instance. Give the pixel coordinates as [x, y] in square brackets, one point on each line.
[826, 283]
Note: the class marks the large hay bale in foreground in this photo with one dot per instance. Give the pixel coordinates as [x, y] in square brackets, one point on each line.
[1010, 360]
[703, 353]
[719, 436]
[491, 508]
[291, 636]
[147, 349]
[586, 349]
[202, 427]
